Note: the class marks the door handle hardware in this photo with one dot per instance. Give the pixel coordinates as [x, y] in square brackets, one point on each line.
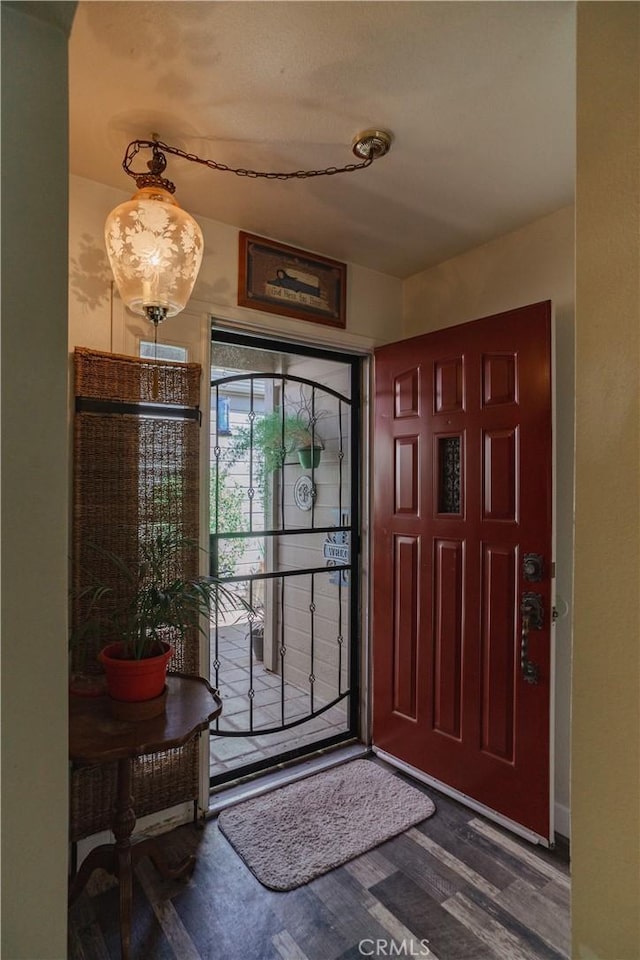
[531, 605]
[532, 613]
[532, 567]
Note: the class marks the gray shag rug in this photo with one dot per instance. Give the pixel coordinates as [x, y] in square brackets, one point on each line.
[307, 828]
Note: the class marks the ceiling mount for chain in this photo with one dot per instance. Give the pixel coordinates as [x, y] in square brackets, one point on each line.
[372, 144]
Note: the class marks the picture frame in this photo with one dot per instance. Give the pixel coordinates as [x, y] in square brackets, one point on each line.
[294, 283]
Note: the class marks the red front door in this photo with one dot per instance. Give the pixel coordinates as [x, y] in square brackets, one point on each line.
[462, 559]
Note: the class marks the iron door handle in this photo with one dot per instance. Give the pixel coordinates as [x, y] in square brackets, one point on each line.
[532, 613]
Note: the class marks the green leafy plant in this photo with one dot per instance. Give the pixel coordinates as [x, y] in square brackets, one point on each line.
[278, 436]
[231, 519]
[273, 437]
[151, 603]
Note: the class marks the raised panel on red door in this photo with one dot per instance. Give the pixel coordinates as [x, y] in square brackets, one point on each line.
[462, 490]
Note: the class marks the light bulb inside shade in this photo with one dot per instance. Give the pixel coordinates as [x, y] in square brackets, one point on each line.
[155, 251]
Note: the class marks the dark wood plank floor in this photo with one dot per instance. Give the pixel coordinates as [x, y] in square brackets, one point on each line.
[470, 889]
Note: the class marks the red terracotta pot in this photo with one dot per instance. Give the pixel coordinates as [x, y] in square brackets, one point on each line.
[134, 680]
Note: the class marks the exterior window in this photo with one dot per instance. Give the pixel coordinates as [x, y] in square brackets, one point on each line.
[163, 351]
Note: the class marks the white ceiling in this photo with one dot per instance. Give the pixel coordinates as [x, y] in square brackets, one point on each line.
[480, 98]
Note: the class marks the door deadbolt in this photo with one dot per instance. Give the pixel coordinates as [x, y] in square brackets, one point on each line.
[532, 567]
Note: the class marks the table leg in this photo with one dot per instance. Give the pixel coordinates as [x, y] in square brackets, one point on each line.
[120, 858]
[124, 820]
[99, 857]
[115, 858]
[150, 848]
[125, 877]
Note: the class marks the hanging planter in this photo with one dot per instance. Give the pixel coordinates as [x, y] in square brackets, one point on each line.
[309, 456]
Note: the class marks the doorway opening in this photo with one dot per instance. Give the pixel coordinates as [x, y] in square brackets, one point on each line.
[284, 535]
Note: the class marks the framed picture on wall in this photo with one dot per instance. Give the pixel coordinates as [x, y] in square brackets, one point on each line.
[294, 283]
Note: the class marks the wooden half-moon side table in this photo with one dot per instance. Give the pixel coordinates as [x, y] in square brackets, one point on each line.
[95, 737]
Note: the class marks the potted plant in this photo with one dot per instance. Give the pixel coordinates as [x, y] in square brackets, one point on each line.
[279, 436]
[139, 608]
[256, 633]
[276, 435]
[308, 443]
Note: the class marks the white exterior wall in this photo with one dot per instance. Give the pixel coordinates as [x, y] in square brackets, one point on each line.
[330, 600]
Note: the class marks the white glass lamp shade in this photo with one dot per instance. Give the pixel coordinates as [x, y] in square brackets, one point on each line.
[155, 251]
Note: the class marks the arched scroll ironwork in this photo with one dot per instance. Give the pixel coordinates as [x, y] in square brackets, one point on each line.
[305, 611]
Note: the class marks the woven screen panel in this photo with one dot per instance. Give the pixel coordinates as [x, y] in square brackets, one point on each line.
[108, 376]
[134, 477]
[160, 780]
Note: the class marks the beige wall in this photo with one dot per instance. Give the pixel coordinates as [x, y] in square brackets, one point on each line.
[34, 481]
[606, 682]
[374, 300]
[605, 726]
[531, 264]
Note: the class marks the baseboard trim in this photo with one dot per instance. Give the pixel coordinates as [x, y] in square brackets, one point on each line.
[562, 820]
[151, 825]
[516, 828]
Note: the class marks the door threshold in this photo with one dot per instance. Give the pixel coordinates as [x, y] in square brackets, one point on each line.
[260, 783]
[510, 825]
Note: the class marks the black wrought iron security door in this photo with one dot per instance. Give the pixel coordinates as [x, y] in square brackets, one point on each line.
[284, 537]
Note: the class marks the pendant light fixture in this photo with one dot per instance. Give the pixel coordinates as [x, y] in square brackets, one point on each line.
[155, 248]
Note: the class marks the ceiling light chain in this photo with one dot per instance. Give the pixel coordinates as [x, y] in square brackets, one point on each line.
[373, 151]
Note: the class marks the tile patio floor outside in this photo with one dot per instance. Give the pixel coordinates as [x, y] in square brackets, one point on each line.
[230, 754]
